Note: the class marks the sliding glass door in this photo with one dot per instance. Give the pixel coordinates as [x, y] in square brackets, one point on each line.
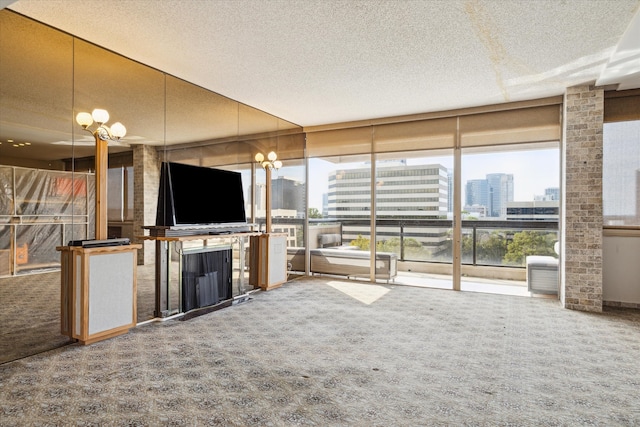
[340, 215]
[414, 215]
[511, 205]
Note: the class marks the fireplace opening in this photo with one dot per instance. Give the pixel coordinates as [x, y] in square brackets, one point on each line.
[206, 277]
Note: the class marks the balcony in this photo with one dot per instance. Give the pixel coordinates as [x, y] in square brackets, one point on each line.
[493, 251]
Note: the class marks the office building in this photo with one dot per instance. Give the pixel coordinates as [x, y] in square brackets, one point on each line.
[401, 192]
[288, 193]
[493, 193]
[543, 210]
[416, 192]
[501, 192]
[552, 193]
[479, 194]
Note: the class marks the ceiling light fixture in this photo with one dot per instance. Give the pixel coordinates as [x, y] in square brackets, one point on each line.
[102, 132]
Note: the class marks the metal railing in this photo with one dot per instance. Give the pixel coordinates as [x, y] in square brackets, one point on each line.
[485, 242]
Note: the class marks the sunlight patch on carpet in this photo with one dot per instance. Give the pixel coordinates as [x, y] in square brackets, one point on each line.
[365, 293]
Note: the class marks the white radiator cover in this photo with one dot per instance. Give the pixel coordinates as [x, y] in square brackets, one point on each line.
[542, 274]
[621, 267]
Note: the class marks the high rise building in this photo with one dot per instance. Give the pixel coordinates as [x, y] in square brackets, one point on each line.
[552, 193]
[501, 190]
[493, 193]
[401, 191]
[477, 193]
[287, 194]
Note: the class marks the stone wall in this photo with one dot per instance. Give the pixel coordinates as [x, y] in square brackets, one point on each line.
[582, 206]
[146, 167]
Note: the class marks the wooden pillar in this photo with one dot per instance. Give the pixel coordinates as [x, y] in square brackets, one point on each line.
[457, 211]
[267, 212]
[102, 168]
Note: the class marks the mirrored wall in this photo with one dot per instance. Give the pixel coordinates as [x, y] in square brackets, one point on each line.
[47, 162]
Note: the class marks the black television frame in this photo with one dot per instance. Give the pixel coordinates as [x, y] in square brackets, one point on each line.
[198, 195]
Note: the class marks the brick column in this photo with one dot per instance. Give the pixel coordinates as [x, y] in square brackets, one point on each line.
[146, 170]
[581, 267]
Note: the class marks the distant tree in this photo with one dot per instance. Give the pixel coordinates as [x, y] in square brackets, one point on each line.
[361, 242]
[411, 243]
[467, 248]
[413, 249]
[527, 243]
[389, 245]
[491, 248]
[445, 251]
[314, 213]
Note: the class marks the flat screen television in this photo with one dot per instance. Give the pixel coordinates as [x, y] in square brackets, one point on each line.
[196, 195]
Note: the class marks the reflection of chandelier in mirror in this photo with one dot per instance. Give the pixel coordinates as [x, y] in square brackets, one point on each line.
[103, 132]
[268, 165]
[102, 135]
[271, 162]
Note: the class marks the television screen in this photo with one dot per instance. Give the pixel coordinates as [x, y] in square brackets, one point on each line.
[196, 195]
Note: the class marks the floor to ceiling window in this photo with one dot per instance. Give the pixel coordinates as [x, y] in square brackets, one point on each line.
[340, 215]
[621, 174]
[621, 212]
[288, 194]
[414, 212]
[511, 196]
[455, 196]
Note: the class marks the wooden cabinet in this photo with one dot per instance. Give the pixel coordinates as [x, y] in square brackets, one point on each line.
[268, 260]
[98, 294]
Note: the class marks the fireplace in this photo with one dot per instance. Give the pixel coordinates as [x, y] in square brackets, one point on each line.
[206, 277]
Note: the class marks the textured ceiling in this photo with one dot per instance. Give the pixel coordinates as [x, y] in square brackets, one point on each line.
[315, 62]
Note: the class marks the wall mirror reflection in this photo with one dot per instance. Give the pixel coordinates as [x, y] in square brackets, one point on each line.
[47, 164]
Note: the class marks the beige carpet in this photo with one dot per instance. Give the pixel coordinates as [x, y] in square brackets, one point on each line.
[29, 315]
[30, 311]
[337, 353]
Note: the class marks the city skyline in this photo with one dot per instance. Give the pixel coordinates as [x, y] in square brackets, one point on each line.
[534, 171]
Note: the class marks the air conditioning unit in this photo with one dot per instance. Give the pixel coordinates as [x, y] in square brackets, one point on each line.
[542, 274]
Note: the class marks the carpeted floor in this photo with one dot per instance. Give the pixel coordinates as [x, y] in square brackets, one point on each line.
[30, 311]
[29, 315]
[336, 353]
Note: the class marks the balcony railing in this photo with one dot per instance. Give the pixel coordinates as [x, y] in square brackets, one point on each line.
[498, 243]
